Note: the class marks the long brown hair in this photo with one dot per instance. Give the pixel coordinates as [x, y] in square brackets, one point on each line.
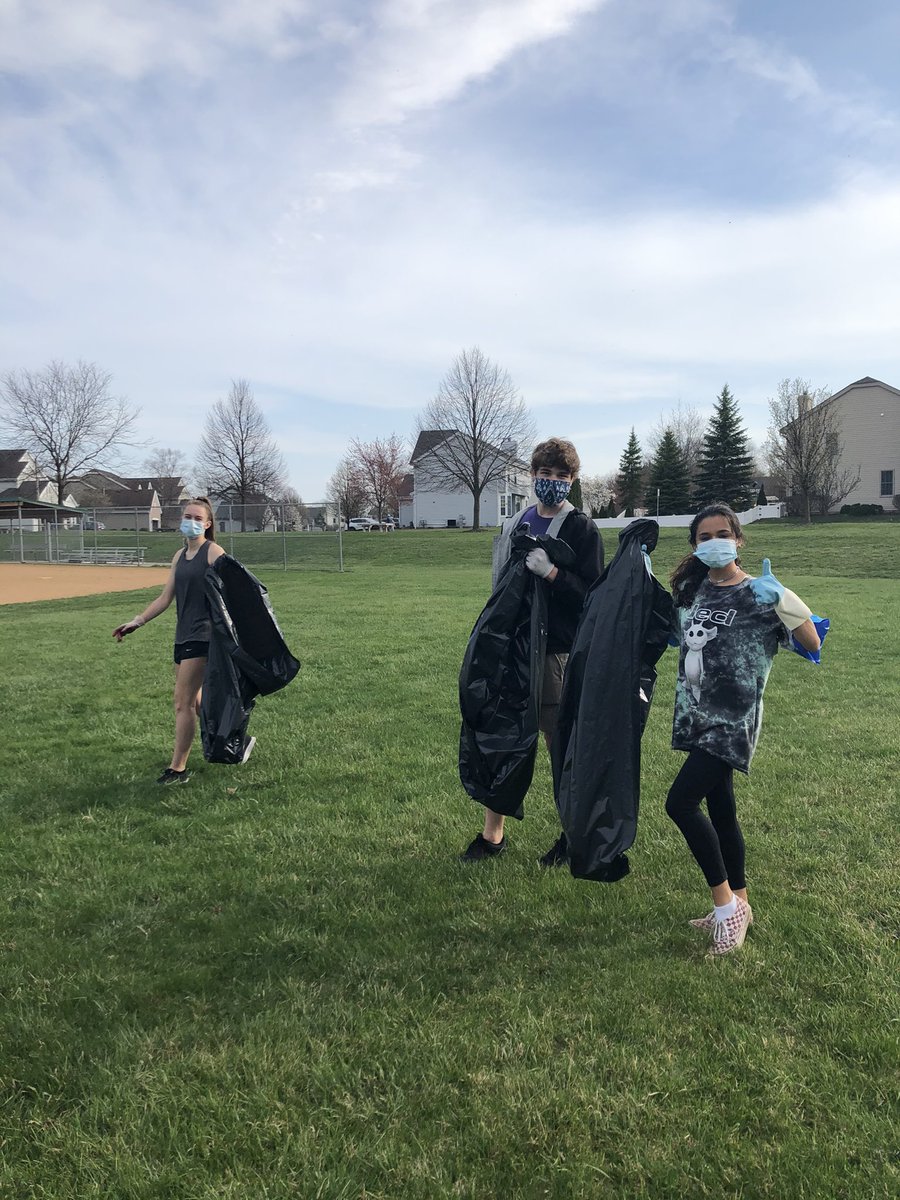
[209, 534]
[690, 572]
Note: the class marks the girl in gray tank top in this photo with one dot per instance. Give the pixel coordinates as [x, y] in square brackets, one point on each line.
[186, 586]
[190, 596]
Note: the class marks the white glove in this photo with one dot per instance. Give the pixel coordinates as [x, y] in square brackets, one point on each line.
[539, 562]
[128, 627]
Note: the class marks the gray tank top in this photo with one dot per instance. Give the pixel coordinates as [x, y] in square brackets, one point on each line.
[190, 597]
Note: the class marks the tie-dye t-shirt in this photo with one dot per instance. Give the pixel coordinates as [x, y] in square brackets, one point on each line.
[728, 640]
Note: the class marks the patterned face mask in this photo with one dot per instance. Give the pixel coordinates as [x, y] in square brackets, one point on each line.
[551, 492]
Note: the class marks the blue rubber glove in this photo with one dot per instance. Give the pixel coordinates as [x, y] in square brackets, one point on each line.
[822, 625]
[647, 562]
[766, 587]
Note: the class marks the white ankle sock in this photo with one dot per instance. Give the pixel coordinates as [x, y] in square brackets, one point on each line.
[726, 910]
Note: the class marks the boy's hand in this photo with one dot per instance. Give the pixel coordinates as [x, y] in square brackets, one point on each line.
[538, 561]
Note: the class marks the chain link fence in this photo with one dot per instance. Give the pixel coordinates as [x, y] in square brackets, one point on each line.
[259, 535]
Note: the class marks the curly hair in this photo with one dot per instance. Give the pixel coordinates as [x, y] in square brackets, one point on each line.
[558, 453]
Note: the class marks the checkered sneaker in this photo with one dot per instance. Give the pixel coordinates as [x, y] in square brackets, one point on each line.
[708, 923]
[729, 934]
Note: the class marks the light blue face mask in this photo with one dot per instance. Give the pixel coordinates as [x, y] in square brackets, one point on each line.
[191, 529]
[717, 552]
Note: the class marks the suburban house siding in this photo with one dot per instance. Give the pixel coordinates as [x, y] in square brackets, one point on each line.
[869, 413]
[433, 505]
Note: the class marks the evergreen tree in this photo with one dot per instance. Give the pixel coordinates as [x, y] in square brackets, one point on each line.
[575, 496]
[726, 466]
[762, 498]
[670, 475]
[630, 480]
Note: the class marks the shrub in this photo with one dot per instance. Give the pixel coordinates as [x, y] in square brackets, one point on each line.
[861, 510]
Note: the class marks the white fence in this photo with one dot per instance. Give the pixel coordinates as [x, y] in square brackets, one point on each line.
[762, 512]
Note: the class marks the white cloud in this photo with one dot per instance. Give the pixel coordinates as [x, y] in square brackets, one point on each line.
[132, 38]
[423, 52]
[799, 82]
[233, 226]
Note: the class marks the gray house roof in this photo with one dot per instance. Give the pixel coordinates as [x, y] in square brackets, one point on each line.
[11, 463]
[428, 439]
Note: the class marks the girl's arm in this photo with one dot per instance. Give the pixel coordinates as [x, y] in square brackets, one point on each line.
[807, 635]
[154, 608]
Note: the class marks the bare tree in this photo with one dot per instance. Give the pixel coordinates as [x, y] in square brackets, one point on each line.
[485, 420]
[292, 510]
[348, 490]
[381, 464]
[239, 459]
[687, 427]
[169, 468]
[597, 491]
[67, 418]
[804, 447]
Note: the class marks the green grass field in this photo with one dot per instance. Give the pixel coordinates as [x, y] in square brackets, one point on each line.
[277, 981]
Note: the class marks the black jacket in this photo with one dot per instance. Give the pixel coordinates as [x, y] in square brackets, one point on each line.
[609, 684]
[565, 595]
[501, 680]
[247, 658]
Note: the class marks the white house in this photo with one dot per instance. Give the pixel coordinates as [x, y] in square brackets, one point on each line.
[430, 502]
[22, 479]
[869, 415]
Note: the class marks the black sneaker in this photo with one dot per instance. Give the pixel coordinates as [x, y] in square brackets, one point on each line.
[558, 854]
[481, 848]
[170, 776]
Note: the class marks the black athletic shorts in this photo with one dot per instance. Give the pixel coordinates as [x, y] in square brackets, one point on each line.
[191, 650]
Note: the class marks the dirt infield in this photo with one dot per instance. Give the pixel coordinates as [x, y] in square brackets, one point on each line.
[23, 582]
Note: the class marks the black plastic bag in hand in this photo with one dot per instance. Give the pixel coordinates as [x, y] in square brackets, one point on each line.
[501, 680]
[247, 658]
[610, 678]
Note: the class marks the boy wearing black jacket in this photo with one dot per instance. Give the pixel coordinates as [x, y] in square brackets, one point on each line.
[554, 468]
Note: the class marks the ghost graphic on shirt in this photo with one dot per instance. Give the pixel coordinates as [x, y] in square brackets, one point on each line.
[696, 636]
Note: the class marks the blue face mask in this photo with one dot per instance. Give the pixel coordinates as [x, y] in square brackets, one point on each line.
[191, 528]
[551, 492]
[717, 552]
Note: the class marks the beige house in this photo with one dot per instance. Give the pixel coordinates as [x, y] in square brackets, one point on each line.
[869, 415]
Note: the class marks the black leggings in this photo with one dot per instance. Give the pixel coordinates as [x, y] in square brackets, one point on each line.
[715, 841]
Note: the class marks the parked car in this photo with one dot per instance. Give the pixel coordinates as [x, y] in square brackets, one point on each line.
[88, 523]
[365, 524]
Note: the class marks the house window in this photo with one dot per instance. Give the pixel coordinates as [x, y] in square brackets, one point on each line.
[887, 483]
[504, 505]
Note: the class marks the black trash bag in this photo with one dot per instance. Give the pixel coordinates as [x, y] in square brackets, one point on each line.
[609, 684]
[501, 680]
[247, 658]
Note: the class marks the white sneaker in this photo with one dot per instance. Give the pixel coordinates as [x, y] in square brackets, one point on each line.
[248, 749]
[729, 934]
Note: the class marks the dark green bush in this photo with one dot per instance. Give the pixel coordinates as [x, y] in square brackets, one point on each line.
[861, 510]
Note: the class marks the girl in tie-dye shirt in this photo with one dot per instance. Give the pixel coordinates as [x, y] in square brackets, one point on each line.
[729, 628]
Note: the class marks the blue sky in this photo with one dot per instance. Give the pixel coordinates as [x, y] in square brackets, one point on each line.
[626, 203]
